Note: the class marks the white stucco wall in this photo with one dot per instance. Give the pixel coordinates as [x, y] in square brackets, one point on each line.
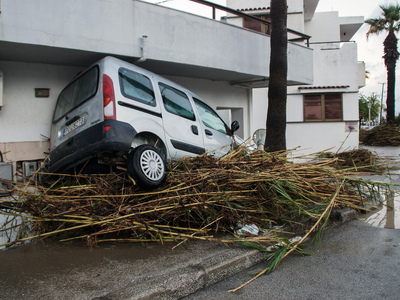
[350, 107]
[361, 74]
[24, 117]
[338, 66]
[295, 22]
[239, 4]
[308, 138]
[324, 27]
[293, 5]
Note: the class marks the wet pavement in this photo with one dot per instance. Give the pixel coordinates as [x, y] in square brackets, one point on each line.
[117, 271]
[387, 215]
[355, 261]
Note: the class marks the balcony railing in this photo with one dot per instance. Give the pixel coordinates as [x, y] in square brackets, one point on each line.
[299, 36]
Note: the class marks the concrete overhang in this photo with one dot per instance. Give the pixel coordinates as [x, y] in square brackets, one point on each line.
[349, 26]
[309, 9]
[29, 53]
[179, 44]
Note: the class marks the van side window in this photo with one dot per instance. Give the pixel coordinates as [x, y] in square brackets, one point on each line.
[83, 88]
[136, 86]
[209, 117]
[176, 102]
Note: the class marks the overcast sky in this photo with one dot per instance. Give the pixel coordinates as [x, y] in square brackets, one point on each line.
[370, 51]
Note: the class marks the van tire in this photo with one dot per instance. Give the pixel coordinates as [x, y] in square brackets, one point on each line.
[147, 167]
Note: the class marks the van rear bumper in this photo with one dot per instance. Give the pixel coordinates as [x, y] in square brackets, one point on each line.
[87, 144]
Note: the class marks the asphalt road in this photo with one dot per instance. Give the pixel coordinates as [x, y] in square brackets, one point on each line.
[354, 261]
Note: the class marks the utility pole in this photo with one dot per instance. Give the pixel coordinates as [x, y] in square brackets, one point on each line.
[380, 116]
[369, 113]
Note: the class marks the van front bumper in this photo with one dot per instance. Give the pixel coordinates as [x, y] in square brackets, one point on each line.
[91, 142]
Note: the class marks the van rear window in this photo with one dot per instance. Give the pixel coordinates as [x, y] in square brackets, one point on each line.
[80, 90]
[136, 86]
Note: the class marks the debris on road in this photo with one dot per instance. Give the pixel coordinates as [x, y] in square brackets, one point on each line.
[359, 160]
[204, 198]
[384, 135]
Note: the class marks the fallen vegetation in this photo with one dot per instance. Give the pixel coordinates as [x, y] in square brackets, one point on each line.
[384, 135]
[204, 198]
[358, 160]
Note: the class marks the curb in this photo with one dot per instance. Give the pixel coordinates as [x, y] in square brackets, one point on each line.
[185, 280]
[343, 215]
[175, 283]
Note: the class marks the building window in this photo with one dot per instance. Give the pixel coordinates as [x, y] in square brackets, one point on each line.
[323, 107]
[257, 26]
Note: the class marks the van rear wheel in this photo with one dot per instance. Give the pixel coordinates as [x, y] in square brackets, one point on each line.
[147, 167]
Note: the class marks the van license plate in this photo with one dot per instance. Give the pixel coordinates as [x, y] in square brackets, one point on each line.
[73, 126]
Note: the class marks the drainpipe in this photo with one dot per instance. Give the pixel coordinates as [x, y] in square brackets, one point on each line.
[143, 48]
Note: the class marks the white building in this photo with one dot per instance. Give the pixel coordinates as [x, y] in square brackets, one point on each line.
[45, 43]
[324, 114]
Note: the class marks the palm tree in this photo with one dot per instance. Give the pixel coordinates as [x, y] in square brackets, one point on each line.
[275, 139]
[388, 22]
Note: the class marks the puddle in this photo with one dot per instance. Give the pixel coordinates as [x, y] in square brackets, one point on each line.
[387, 215]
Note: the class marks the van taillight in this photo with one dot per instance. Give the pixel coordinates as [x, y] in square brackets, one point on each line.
[108, 98]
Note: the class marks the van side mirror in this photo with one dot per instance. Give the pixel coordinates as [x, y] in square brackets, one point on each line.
[235, 126]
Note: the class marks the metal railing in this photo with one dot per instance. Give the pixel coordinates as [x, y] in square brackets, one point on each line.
[300, 36]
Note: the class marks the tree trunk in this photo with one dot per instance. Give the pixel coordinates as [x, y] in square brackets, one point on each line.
[391, 56]
[275, 139]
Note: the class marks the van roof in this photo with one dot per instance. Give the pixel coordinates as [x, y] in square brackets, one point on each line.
[122, 63]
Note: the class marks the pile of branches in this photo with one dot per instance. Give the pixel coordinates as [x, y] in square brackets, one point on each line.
[384, 135]
[204, 198]
[361, 160]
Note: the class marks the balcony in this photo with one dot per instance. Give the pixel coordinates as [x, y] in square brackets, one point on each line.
[77, 33]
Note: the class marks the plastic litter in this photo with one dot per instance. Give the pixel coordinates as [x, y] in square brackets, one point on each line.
[247, 230]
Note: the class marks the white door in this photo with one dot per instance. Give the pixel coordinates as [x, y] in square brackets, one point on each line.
[216, 138]
[184, 136]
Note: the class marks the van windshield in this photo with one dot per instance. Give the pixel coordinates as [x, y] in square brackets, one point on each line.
[80, 90]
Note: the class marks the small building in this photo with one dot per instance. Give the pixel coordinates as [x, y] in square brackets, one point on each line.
[324, 114]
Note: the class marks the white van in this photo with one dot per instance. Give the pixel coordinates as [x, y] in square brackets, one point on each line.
[115, 110]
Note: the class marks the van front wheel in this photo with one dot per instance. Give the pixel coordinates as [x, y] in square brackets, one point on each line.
[147, 167]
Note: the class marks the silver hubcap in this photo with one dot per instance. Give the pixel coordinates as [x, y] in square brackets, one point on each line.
[152, 165]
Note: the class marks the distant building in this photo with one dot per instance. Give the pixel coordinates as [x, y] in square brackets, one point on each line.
[323, 114]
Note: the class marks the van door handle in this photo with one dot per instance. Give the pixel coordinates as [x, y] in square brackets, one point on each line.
[195, 130]
[69, 122]
[208, 132]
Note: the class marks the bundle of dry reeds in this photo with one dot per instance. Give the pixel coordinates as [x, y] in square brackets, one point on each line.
[384, 135]
[203, 196]
[361, 160]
